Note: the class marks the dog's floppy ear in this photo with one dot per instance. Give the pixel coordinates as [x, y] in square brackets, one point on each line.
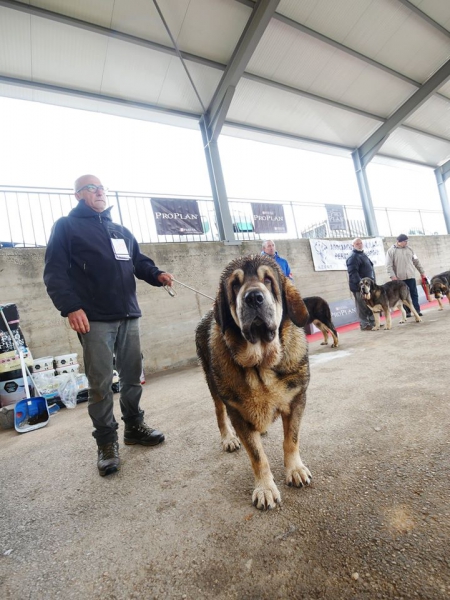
[222, 312]
[293, 304]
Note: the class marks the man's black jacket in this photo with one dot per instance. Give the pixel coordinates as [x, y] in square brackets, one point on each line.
[81, 270]
[359, 266]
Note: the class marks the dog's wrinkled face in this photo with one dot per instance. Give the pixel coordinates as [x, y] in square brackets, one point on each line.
[365, 288]
[255, 302]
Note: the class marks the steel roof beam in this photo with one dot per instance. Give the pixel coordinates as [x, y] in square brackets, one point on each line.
[71, 21]
[250, 38]
[46, 87]
[370, 147]
[342, 47]
[413, 8]
[105, 31]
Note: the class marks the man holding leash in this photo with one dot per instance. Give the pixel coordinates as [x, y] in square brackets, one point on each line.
[90, 269]
[359, 266]
[268, 248]
[400, 264]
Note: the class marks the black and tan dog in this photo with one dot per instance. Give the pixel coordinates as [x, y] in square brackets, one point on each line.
[255, 356]
[320, 315]
[392, 294]
[440, 286]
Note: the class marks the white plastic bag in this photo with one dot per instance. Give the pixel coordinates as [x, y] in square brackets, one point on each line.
[68, 390]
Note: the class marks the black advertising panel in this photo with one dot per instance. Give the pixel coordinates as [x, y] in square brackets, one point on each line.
[268, 218]
[174, 216]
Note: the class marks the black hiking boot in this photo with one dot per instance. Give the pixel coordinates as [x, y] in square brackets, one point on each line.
[140, 433]
[108, 459]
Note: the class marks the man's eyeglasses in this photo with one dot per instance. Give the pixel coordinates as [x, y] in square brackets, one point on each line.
[90, 187]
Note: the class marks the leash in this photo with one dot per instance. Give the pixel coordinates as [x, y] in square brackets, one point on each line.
[173, 292]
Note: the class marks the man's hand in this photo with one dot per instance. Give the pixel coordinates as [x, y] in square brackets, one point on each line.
[394, 278]
[79, 321]
[165, 279]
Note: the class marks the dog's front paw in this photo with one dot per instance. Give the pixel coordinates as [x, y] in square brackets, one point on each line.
[230, 443]
[298, 476]
[418, 319]
[266, 497]
[324, 343]
[375, 329]
[401, 321]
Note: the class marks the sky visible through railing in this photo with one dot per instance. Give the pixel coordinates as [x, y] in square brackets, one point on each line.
[50, 146]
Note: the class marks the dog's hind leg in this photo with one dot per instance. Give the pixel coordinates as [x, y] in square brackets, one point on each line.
[296, 473]
[324, 331]
[410, 305]
[399, 305]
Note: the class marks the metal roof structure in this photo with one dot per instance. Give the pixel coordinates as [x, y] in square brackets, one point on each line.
[367, 78]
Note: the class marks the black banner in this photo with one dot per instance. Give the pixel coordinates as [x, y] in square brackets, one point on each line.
[174, 216]
[268, 218]
[336, 216]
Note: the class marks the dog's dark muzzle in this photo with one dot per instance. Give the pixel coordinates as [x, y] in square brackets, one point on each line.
[254, 299]
[257, 318]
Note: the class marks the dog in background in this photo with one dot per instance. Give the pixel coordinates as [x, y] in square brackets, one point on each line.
[392, 294]
[253, 350]
[440, 286]
[320, 315]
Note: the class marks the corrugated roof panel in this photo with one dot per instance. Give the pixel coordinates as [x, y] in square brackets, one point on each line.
[275, 109]
[409, 145]
[93, 11]
[67, 56]
[433, 116]
[213, 29]
[134, 72]
[141, 19]
[295, 59]
[15, 44]
[334, 19]
[438, 10]
[178, 92]
[384, 30]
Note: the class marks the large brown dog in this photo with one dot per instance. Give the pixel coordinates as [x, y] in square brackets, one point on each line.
[320, 315]
[440, 286]
[392, 294]
[255, 356]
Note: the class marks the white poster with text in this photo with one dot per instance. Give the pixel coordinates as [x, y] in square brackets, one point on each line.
[331, 255]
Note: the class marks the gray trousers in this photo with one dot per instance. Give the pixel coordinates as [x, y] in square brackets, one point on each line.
[103, 340]
[365, 315]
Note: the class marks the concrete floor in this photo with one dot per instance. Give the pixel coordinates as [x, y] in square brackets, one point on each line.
[177, 521]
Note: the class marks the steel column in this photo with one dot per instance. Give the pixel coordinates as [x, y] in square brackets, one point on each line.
[219, 192]
[364, 192]
[440, 178]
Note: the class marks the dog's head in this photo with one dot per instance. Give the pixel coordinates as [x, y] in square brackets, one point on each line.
[255, 297]
[438, 288]
[365, 288]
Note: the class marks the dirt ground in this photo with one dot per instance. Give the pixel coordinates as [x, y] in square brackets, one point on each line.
[177, 521]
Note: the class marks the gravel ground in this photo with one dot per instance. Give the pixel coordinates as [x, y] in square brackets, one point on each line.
[177, 521]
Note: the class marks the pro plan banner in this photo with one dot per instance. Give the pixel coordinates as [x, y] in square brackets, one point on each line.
[174, 216]
[268, 218]
[336, 216]
[331, 255]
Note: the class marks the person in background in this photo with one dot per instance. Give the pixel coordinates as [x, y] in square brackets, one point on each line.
[90, 269]
[401, 263]
[359, 266]
[268, 248]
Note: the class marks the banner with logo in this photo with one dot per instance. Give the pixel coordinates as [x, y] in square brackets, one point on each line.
[174, 216]
[268, 218]
[336, 217]
[331, 255]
